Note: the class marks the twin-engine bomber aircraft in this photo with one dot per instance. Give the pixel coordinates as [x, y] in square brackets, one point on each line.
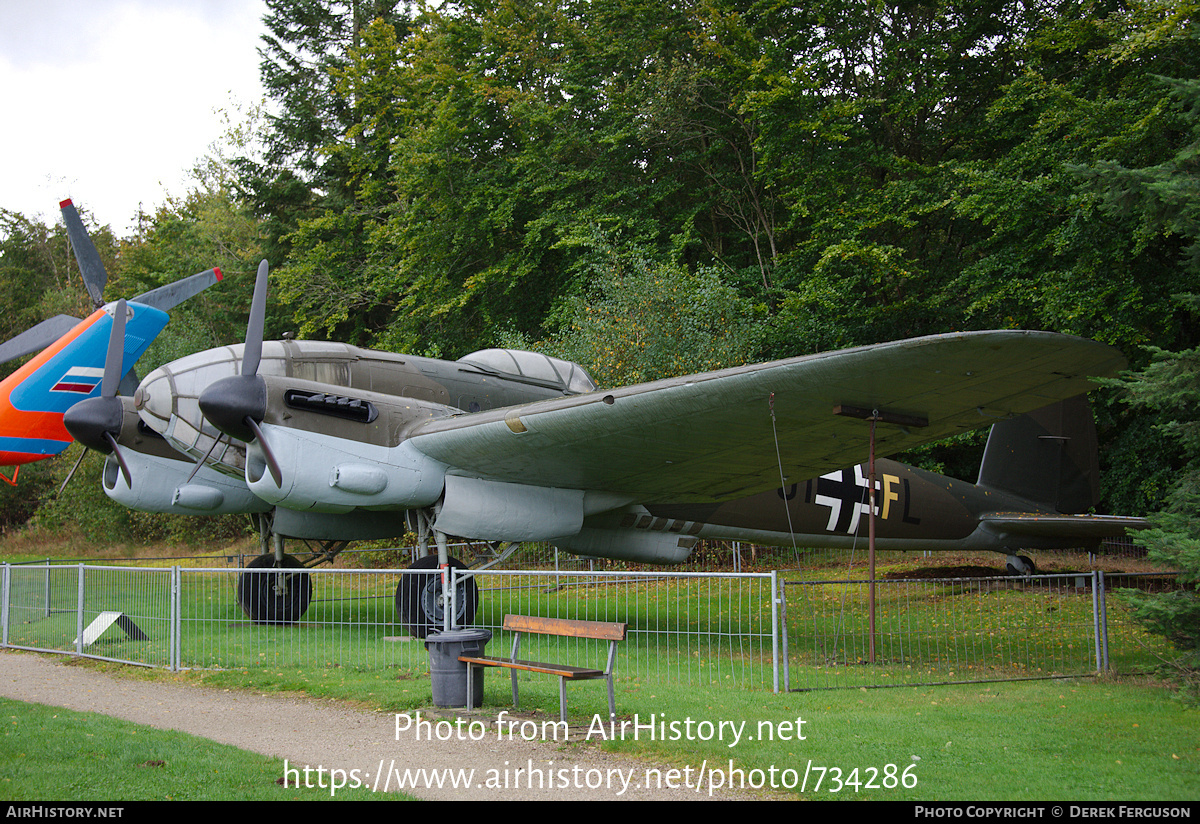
[510, 446]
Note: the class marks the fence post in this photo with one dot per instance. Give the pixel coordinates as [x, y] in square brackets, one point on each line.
[449, 585]
[1096, 619]
[1104, 618]
[79, 614]
[173, 589]
[783, 631]
[774, 631]
[5, 588]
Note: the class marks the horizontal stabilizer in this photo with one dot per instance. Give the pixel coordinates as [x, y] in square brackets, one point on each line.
[169, 296]
[37, 338]
[1063, 526]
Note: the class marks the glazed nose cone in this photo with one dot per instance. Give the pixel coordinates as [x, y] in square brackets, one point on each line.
[153, 399]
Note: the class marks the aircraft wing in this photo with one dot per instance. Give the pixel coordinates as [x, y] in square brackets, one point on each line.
[723, 434]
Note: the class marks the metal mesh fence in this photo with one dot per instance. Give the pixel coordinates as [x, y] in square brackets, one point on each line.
[950, 630]
[115, 613]
[685, 628]
[1130, 647]
[349, 621]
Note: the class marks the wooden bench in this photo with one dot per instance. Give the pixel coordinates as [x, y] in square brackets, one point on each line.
[517, 624]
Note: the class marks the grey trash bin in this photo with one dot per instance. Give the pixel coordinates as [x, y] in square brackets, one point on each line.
[449, 675]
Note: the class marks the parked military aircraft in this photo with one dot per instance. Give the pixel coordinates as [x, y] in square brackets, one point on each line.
[34, 398]
[511, 446]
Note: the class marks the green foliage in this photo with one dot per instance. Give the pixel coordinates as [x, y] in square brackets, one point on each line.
[433, 179]
[205, 229]
[643, 320]
[1170, 386]
[39, 277]
[864, 174]
[82, 508]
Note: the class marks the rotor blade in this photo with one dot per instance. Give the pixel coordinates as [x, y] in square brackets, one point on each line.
[272, 464]
[169, 296]
[116, 353]
[36, 338]
[120, 459]
[90, 266]
[254, 328]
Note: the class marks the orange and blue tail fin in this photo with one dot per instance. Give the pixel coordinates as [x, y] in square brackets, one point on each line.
[34, 398]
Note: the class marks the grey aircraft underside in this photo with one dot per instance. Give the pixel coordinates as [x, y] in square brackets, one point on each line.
[342, 443]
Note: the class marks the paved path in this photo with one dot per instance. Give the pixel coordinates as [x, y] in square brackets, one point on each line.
[327, 734]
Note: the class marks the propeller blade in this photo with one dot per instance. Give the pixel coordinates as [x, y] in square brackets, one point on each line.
[36, 338]
[254, 328]
[90, 266]
[169, 296]
[201, 462]
[116, 353]
[71, 474]
[272, 463]
[112, 442]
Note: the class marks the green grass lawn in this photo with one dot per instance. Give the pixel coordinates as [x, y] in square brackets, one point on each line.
[1022, 741]
[54, 754]
[1053, 739]
[1057, 740]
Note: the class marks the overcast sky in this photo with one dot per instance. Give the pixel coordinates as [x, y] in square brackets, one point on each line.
[109, 102]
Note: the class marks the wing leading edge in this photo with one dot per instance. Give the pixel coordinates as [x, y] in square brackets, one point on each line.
[715, 436]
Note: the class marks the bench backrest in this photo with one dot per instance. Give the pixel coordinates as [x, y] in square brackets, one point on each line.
[605, 630]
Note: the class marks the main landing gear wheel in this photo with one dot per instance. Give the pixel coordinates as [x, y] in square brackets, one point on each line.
[274, 598]
[419, 599]
[1020, 565]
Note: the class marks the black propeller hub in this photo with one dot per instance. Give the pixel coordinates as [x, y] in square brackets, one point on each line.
[89, 421]
[227, 404]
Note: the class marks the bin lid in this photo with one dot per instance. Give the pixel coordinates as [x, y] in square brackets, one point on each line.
[457, 636]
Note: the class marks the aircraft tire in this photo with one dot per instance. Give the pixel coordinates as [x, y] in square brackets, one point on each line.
[1020, 565]
[257, 598]
[418, 599]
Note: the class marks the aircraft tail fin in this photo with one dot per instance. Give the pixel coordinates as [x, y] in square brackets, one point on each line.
[1048, 457]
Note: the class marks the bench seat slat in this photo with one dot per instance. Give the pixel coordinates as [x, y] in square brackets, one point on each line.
[533, 666]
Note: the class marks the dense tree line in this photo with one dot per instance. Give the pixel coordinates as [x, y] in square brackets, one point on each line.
[656, 187]
[865, 171]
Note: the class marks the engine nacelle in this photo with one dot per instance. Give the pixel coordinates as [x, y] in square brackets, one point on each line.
[635, 545]
[324, 473]
[493, 511]
[162, 485]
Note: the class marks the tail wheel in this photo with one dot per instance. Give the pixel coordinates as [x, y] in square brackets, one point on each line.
[280, 598]
[419, 599]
